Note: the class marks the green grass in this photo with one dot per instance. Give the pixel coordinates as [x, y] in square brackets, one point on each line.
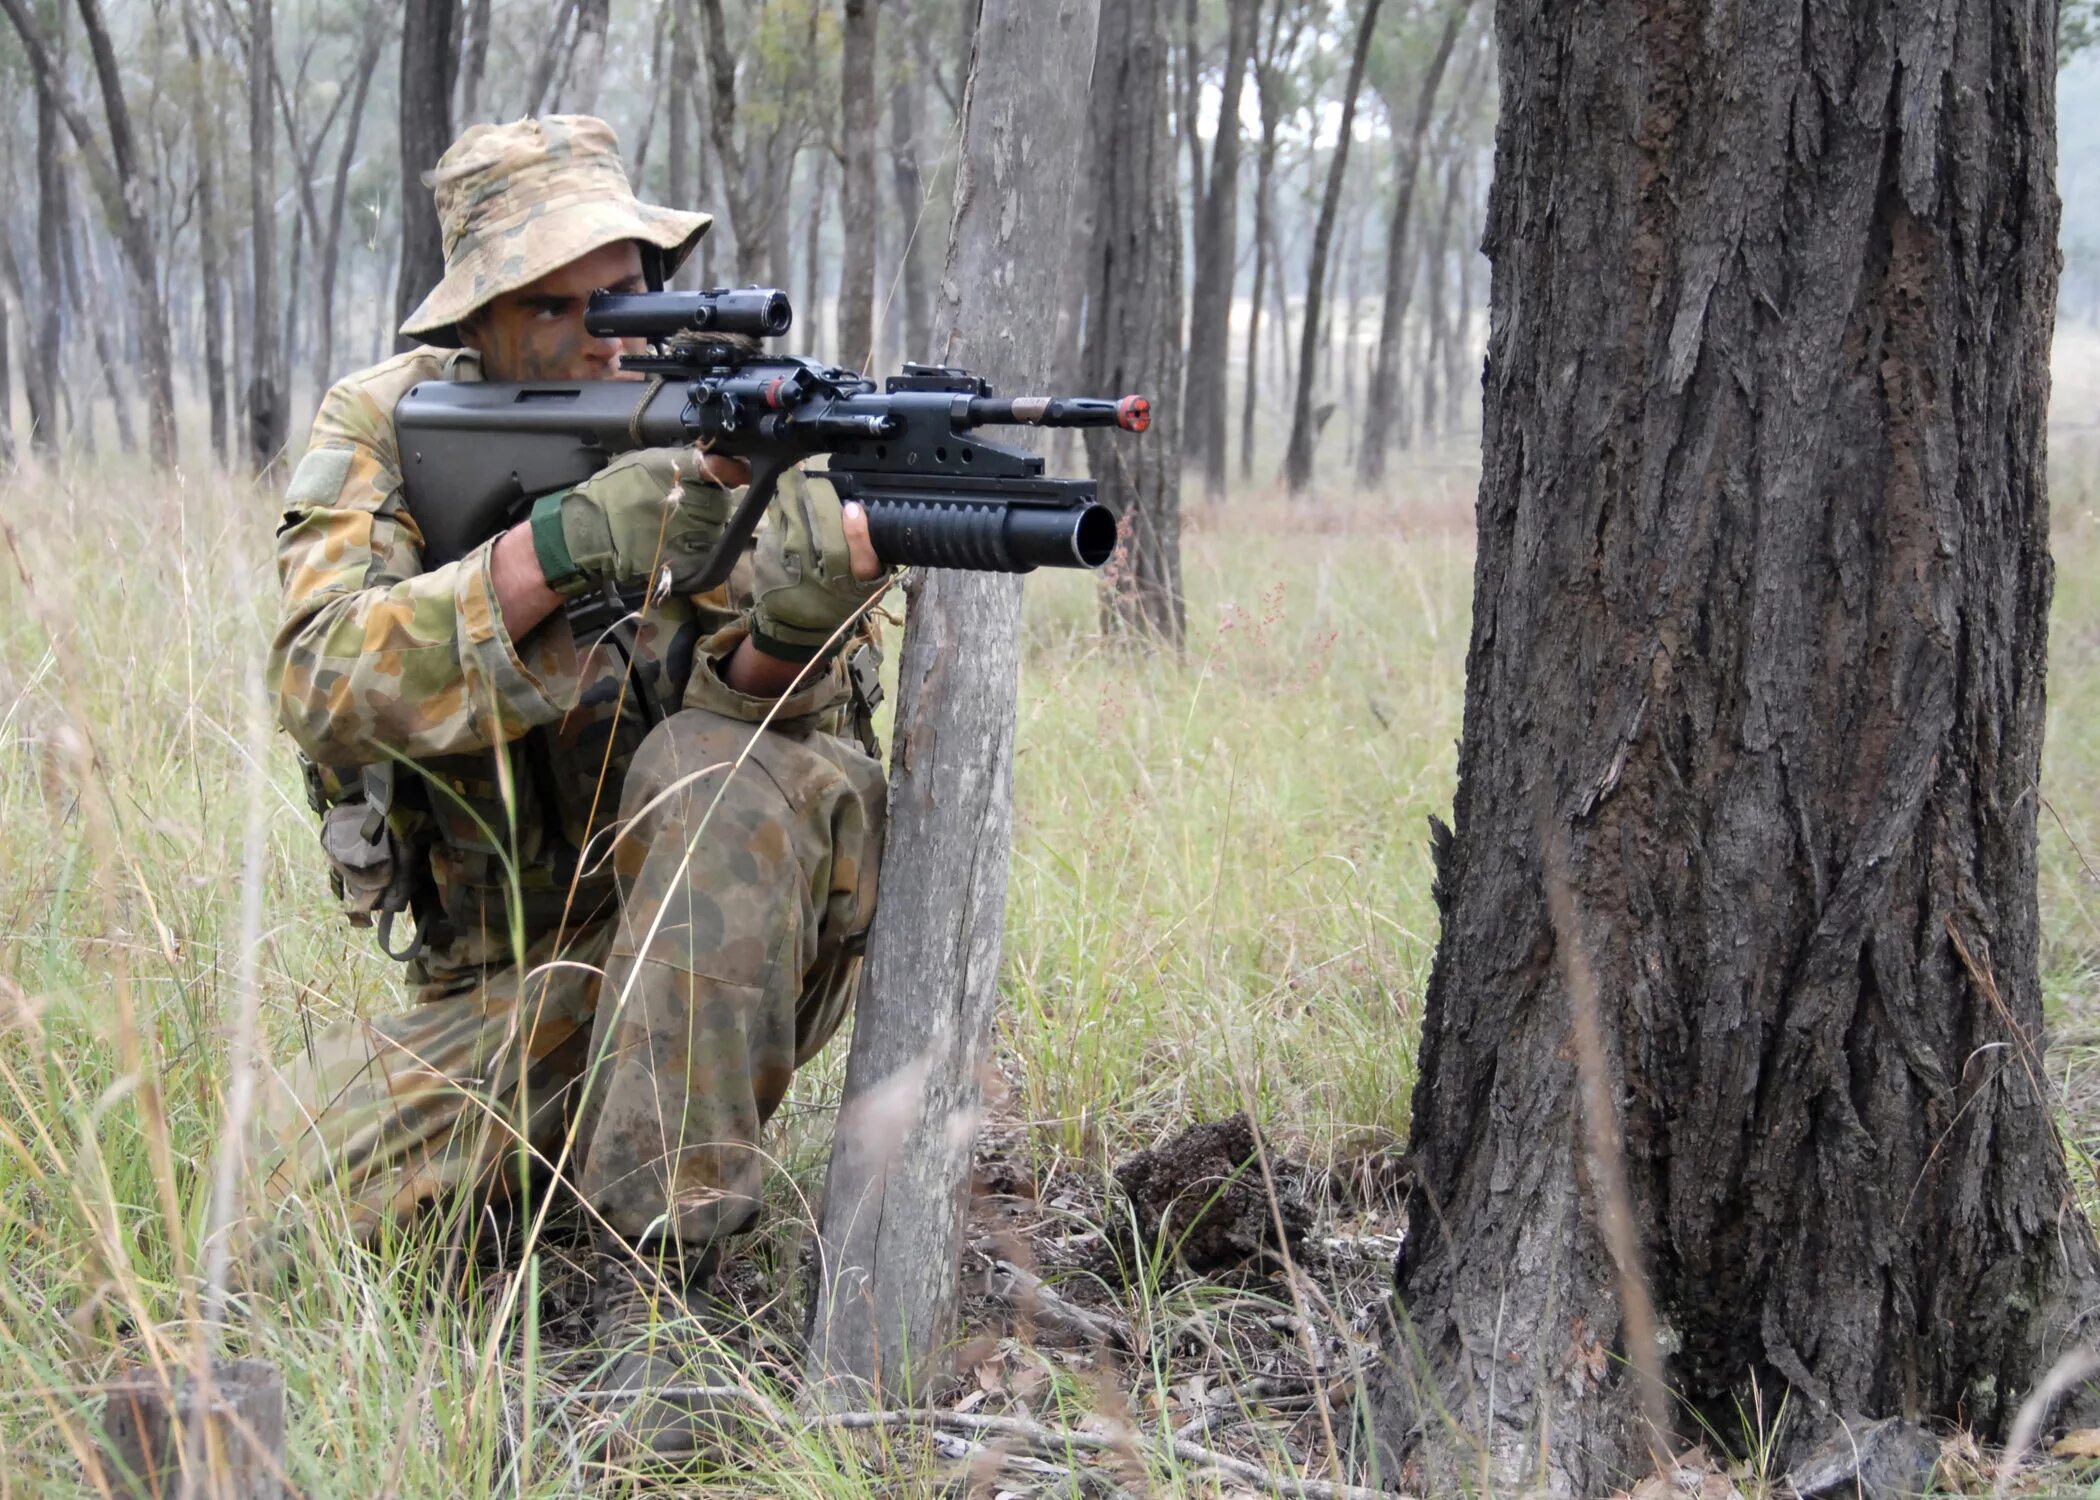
[1220, 899]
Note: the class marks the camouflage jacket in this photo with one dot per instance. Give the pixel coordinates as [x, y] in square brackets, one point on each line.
[522, 745]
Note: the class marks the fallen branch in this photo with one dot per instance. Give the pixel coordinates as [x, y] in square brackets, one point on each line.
[1040, 1440]
[1032, 1297]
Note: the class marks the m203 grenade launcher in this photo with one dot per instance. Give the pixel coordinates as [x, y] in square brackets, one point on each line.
[475, 455]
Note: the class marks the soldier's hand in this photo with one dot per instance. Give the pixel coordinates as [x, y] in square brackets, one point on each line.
[646, 511]
[812, 572]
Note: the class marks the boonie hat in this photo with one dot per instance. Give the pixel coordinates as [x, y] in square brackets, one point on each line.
[517, 201]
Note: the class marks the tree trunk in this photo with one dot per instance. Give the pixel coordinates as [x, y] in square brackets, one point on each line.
[552, 50]
[211, 241]
[1266, 86]
[426, 130]
[857, 186]
[587, 56]
[339, 191]
[909, 184]
[812, 255]
[1755, 697]
[120, 183]
[1435, 267]
[1217, 257]
[1133, 325]
[891, 1227]
[1297, 463]
[88, 296]
[474, 61]
[1382, 412]
[1458, 350]
[48, 321]
[638, 164]
[7, 393]
[268, 404]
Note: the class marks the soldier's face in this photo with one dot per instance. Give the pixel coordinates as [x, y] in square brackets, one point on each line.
[537, 333]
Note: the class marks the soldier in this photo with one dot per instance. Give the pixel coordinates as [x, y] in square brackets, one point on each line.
[482, 735]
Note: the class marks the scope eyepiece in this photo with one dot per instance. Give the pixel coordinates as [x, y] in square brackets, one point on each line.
[756, 311]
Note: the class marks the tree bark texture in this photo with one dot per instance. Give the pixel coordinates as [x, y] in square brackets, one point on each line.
[1297, 462]
[891, 1224]
[1382, 411]
[426, 130]
[1760, 611]
[1217, 222]
[268, 400]
[857, 186]
[1133, 326]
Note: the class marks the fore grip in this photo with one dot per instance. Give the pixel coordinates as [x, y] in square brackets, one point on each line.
[988, 536]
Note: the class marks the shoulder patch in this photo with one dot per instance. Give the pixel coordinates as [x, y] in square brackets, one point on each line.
[319, 478]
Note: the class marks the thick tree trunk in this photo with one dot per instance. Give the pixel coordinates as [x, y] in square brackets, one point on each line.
[1297, 463]
[425, 132]
[1383, 409]
[1755, 695]
[891, 1227]
[1217, 222]
[268, 401]
[908, 182]
[211, 237]
[857, 186]
[1133, 323]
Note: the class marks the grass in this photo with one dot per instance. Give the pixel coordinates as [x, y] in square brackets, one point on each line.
[1220, 900]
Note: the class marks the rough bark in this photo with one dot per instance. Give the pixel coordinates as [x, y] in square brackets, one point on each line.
[1297, 463]
[1216, 254]
[211, 237]
[268, 401]
[1759, 622]
[892, 1219]
[1382, 412]
[857, 185]
[908, 182]
[1133, 324]
[425, 132]
[120, 182]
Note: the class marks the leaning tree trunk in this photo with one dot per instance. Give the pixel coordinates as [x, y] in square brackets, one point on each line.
[891, 1229]
[338, 194]
[426, 130]
[1298, 456]
[211, 236]
[1755, 695]
[1133, 320]
[856, 311]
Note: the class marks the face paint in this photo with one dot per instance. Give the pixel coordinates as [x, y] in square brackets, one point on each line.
[537, 332]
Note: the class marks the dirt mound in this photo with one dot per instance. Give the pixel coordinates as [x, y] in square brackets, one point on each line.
[1204, 1196]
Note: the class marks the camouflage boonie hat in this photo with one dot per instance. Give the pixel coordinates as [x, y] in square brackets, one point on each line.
[517, 201]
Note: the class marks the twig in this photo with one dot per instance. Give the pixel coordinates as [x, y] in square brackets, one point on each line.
[1034, 1299]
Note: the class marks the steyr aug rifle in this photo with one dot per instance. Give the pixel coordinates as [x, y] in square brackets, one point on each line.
[475, 455]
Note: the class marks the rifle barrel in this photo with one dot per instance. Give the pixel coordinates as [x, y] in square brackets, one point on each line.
[1131, 413]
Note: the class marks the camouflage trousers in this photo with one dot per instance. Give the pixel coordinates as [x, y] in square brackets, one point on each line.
[638, 1059]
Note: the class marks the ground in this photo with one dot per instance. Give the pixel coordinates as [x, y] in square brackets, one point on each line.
[1220, 907]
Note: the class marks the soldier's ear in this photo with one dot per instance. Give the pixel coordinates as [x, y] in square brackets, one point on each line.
[469, 330]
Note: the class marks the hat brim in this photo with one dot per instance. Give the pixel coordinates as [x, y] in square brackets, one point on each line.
[542, 242]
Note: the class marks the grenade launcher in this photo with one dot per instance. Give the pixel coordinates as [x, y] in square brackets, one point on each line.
[475, 455]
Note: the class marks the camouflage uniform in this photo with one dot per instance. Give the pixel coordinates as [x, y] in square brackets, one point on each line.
[634, 1018]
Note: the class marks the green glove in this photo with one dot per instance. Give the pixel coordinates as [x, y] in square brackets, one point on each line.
[643, 512]
[802, 583]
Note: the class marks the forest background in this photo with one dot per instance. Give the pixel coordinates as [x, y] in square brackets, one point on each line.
[1221, 894]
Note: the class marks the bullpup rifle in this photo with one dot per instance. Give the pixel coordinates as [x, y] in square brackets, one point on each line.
[475, 455]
